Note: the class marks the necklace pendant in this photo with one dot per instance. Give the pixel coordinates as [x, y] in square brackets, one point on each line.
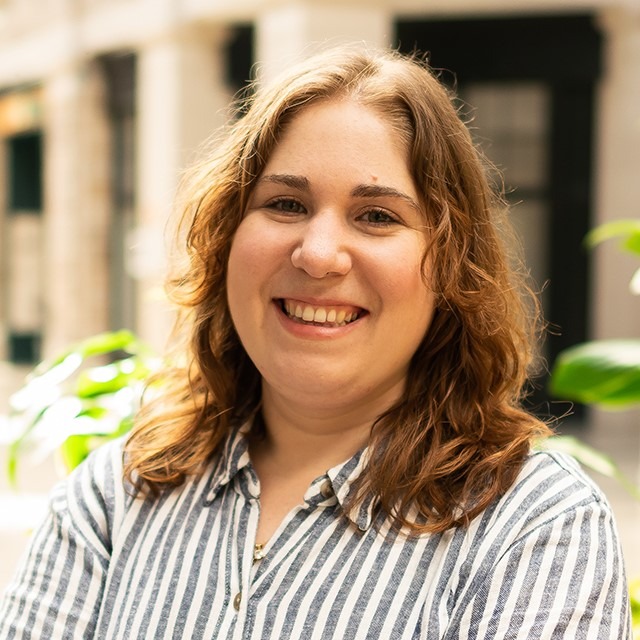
[258, 552]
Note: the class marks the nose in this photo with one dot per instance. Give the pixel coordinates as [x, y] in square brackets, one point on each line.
[322, 248]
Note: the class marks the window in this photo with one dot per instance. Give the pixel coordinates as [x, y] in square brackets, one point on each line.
[22, 250]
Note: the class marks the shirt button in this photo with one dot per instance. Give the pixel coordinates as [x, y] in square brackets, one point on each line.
[326, 490]
[237, 600]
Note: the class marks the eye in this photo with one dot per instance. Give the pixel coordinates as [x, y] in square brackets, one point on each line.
[379, 217]
[286, 205]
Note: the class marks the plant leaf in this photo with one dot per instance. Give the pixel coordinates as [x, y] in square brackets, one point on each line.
[16, 447]
[628, 230]
[99, 344]
[77, 447]
[110, 378]
[74, 450]
[602, 372]
[108, 342]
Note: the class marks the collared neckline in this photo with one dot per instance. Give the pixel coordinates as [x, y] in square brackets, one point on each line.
[234, 457]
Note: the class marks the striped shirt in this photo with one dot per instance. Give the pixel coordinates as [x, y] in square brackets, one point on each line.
[542, 562]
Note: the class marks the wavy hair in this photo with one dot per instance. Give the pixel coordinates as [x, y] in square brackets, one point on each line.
[457, 437]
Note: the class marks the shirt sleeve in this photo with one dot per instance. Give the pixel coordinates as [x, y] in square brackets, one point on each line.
[57, 591]
[562, 580]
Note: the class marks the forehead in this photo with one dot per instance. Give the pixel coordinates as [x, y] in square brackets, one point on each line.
[338, 135]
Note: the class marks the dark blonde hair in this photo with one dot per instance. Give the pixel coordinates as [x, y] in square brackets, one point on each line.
[458, 436]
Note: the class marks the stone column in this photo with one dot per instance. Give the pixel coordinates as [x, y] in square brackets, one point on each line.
[616, 312]
[182, 98]
[76, 205]
[3, 262]
[287, 32]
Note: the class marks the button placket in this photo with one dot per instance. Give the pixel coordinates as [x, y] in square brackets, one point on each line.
[242, 589]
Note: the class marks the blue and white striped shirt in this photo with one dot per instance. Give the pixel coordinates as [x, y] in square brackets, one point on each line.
[542, 562]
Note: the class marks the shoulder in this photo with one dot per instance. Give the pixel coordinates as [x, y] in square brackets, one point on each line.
[551, 492]
[551, 484]
[93, 498]
[549, 549]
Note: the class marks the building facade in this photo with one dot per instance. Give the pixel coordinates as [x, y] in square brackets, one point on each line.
[103, 103]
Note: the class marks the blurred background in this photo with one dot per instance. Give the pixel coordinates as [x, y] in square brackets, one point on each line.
[104, 102]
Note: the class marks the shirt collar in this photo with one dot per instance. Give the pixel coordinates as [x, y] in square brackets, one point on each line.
[235, 456]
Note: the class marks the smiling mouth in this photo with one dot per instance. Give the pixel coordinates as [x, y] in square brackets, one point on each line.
[317, 315]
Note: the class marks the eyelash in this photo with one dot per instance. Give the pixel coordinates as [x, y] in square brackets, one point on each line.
[279, 203]
[382, 212]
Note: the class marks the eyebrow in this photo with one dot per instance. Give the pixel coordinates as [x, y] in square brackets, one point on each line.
[360, 191]
[295, 182]
[380, 191]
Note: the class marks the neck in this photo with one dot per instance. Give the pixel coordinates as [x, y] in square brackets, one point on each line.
[300, 435]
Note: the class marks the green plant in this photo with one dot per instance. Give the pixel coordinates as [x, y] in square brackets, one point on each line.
[605, 373]
[79, 399]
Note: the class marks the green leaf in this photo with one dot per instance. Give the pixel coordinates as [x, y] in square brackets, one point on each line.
[602, 372]
[634, 597]
[16, 447]
[110, 378]
[74, 450]
[632, 243]
[100, 344]
[93, 411]
[108, 342]
[68, 405]
[628, 230]
[77, 447]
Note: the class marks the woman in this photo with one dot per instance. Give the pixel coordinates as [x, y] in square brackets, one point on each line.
[344, 454]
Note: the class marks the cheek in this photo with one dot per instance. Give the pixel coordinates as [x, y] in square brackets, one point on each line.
[245, 259]
[240, 274]
[255, 259]
[402, 275]
[257, 247]
[409, 292]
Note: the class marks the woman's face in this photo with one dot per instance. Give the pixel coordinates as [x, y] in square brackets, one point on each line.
[324, 278]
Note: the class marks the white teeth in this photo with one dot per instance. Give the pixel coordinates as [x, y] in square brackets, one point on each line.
[319, 315]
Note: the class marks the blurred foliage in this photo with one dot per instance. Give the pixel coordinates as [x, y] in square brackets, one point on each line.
[605, 373]
[75, 402]
[634, 590]
[601, 372]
